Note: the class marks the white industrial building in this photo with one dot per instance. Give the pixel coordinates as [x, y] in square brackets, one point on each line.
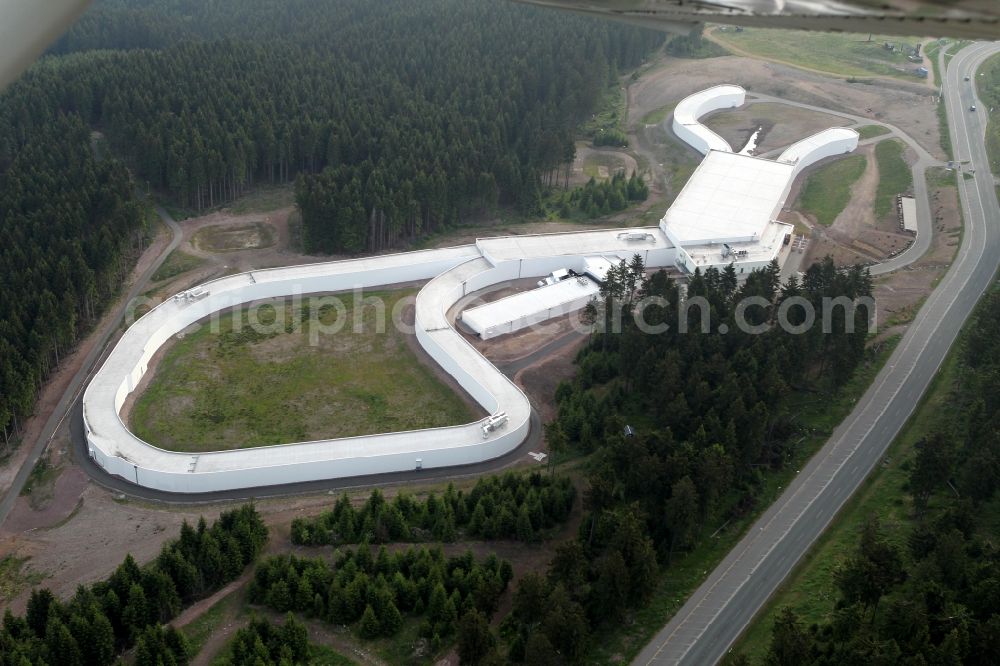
[727, 211]
[453, 273]
[563, 292]
[725, 214]
[528, 308]
[689, 110]
[908, 213]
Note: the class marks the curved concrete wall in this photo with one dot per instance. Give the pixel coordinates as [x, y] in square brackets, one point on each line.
[453, 273]
[687, 112]
[812, 149]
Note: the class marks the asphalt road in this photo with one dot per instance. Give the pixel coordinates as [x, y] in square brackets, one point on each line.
[718, 611]
[76, 385]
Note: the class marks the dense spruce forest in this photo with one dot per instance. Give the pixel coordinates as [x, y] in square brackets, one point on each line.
[372, 593]
[130, 608]
[932, 597]
[70, 230]
[508, 506]
[261, 643]
[395, 118]
[709, 413]
[595, 199]
[401, 117]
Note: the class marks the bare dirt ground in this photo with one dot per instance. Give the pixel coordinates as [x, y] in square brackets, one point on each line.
[617, 159]
[900, 294]
[910, 106]
[94, 541]
[855, 236]
[859, 215]
[277, 250]
[541, 379]
[58, 505]
[780, 125]
[514, 346]
[255, 235]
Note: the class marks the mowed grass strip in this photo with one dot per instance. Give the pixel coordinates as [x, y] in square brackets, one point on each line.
[657, 116]
[611, 163]
[249, 386]
[178, 262]
[843, 54]
[869, 131]
[828, 189]
[988, 81]
[894, 175]
[264, 199]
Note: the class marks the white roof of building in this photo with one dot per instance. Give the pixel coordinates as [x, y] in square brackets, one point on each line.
[729, 197]
[689, 109]
[761, 251]
[527, 303]
[829, 142]
[597, 267]
[800, 149]
[909, 213]
[614, 241]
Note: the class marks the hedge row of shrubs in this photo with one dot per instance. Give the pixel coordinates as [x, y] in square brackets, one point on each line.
[376, 592]
[508, 506]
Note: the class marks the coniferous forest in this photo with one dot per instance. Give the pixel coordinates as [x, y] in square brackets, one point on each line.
[394, 118]
[399, 117]
[925, 590]
[710, 414]
[131, 606]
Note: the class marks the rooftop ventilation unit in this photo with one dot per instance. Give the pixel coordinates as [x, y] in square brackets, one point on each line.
[191, 295]
[555, 276]
[636, 236]
[493, 423]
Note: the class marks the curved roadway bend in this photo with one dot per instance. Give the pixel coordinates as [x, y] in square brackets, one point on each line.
[71, 395]
[720, 609]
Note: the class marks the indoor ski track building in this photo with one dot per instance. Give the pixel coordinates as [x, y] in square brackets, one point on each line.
[725, 214]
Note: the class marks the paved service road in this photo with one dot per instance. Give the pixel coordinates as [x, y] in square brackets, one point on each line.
[925, 225]
[718, 611]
